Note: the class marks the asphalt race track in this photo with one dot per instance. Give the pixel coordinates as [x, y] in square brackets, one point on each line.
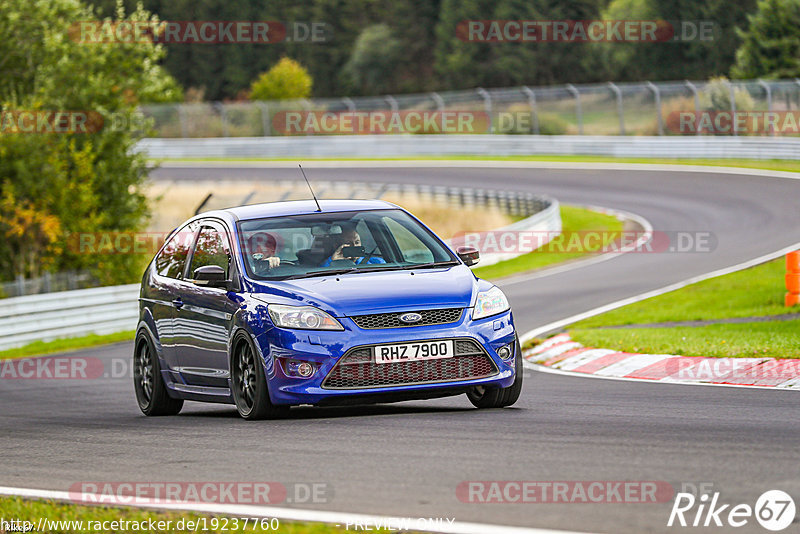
[407, 459]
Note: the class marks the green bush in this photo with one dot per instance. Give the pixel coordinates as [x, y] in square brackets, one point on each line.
[286, 80]
[717, 97]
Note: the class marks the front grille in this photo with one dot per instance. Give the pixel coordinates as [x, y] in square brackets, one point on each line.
[392, 320]
[357, 368]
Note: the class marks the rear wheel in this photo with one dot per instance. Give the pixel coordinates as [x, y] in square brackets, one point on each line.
[249, 384]
[151, 392]
[484, 397]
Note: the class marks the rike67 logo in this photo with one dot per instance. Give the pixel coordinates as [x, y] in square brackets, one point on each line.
[774, 510]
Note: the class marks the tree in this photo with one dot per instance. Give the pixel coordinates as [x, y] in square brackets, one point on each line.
[372, 68]
[76, 181]
[462, 63]
[771, 43]
[686, 53]
[285, 80]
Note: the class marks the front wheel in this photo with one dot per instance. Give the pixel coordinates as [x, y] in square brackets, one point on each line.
[151, 392]
[483, 397]
[249, 384]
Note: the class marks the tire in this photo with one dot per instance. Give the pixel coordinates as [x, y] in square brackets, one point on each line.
[249, 385]
[483, 397]
[151, 392]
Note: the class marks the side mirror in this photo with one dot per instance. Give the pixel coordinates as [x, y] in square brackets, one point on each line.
[469, 255]
[210, 276]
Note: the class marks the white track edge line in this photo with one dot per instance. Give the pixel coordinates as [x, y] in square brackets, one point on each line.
[290, 514]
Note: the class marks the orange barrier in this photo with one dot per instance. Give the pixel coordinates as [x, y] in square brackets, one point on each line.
[793, 278]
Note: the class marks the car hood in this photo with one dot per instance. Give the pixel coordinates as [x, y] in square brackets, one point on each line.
[375, 292]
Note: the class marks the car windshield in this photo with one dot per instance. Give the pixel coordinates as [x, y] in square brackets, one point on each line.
[318, 244]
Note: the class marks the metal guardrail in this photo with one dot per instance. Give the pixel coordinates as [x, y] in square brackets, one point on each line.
[47, 283]
[106, 310]
[483, 145]
[100, 310]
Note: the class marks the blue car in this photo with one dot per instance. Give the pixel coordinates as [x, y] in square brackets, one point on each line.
[288, 303]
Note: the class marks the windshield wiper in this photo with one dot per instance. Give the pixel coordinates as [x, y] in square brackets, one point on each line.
[432, 264]
[374, 268]
[323, 272]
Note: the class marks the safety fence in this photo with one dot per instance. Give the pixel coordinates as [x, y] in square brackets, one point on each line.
[645, 108]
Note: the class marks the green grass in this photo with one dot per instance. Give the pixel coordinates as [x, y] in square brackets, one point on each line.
[32, 510]
[779, 339]
[774, 165]
[574, 221]
[38, 348]
[754, 292]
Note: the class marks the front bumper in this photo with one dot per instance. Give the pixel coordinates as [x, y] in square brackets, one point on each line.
[324, 349]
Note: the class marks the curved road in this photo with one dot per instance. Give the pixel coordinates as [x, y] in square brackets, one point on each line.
[407, 459]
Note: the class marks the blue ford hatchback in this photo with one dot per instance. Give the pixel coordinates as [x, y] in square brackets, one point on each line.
[273, 305]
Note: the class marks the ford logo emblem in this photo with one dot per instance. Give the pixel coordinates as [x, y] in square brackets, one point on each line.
[411, 318]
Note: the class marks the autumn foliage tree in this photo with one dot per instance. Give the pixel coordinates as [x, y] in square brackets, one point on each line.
[57, 185]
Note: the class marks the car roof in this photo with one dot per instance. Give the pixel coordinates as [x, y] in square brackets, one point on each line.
[299, 207]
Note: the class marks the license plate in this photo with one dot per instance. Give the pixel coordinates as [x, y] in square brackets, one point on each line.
[409, 352]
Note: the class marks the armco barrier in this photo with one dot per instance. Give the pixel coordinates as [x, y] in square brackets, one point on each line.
[482, 145]
[49, 316]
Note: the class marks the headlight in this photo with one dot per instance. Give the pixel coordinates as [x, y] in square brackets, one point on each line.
[489, 303]
[304, 317]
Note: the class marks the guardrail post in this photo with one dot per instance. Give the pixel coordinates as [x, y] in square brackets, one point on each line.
[792, 279]
[797, 82]
[307, 108]
[657, 95]
[264, 108]
[351, 106]
[392, 103]
[182, 121]
[534, 111]
[487, 105]
[732, 93]
[620, 109]
[223, 116]
[768, 90]
[578, 109]
[438, 100]
[693, 88]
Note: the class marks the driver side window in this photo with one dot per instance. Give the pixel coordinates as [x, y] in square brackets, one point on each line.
[211, 249]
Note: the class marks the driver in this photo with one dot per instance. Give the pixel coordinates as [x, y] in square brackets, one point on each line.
[349, 238]
[263, 246]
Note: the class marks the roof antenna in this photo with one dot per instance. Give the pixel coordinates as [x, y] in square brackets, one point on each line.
[319, 209]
